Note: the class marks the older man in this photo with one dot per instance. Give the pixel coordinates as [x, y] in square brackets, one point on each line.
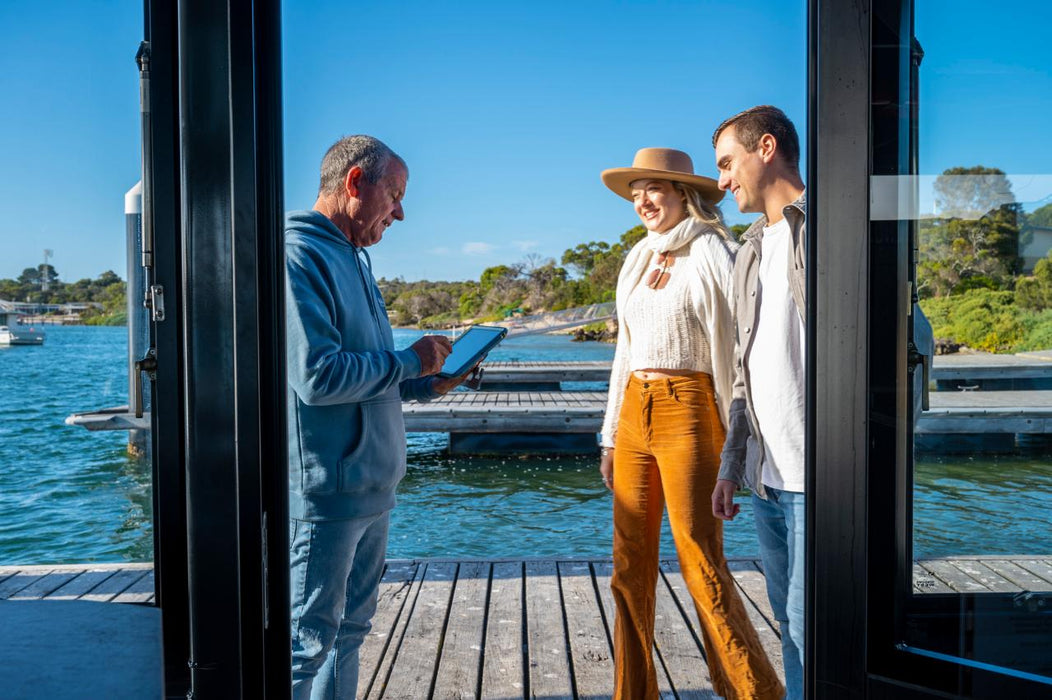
[346, 433]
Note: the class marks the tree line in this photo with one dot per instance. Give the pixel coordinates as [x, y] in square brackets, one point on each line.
[969, 271]
[107, 289]
[969, 275]
[586, 274]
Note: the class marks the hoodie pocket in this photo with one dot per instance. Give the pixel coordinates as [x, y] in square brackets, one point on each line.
[377, 461]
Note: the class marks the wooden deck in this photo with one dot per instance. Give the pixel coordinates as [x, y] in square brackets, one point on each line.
[540, 372]
[525, 628]
[582, 412]
[961, 366]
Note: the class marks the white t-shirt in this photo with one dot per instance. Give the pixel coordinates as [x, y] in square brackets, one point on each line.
[776, 365]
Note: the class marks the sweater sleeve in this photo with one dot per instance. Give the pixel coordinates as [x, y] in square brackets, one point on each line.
[419, 389]
[616, 393]
[713, 306]
[320, 371]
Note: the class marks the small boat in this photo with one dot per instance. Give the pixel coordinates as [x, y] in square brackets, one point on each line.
[14, 332]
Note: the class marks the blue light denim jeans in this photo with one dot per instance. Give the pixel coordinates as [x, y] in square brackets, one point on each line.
[336, 568]
[780, 530]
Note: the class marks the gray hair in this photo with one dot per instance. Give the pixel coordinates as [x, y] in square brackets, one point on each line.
[700, 208]
[367, 152]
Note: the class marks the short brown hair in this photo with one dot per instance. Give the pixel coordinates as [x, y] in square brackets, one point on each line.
[752, 124]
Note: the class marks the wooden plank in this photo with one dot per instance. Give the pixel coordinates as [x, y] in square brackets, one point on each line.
[80, 585]
[15, 583]
[549, 659]
[1038, 567]
[956, 579]
[503, 675]
[603, 571]
[590, 652]
[458, 667]
[111, 587]
[923, 582]
[1018, 575]
[394, 588]
[373, 686]
[413, 672]
[986, 576]
[139, 592]
[678, 639]
[44, 585]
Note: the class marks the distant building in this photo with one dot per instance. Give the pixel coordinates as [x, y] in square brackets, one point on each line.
[1038, 241]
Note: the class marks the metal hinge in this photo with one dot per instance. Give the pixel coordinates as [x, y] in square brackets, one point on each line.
[154, 301]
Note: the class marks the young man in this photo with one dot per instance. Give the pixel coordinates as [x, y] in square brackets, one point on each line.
[346, 433]
[757, 155]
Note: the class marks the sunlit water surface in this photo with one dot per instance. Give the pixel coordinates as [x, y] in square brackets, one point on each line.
[69, 495]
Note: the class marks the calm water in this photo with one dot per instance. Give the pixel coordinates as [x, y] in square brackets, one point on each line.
[68, 495]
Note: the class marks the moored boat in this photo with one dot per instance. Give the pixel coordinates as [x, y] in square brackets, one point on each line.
[14, 332]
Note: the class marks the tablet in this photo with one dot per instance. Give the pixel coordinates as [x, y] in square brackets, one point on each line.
[470, 347]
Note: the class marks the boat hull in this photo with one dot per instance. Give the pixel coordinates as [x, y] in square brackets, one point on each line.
[21, 337]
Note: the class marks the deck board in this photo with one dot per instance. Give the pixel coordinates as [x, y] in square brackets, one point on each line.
[461, 658]
[677, 639]
[549, 664]
[590, 652]
[502, 671]
[413, 671]
[535, 627]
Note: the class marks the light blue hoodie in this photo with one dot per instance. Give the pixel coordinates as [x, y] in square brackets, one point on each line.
[346, 380]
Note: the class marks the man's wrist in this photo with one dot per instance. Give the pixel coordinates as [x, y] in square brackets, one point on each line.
[606, 451]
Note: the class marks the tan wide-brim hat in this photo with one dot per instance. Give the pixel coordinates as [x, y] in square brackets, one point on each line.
[661, 164]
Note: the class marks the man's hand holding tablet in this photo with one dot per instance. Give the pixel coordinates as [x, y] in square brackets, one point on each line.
[468, 352]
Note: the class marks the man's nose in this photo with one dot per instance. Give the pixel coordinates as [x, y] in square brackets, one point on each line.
[724, 181]
[399, 213]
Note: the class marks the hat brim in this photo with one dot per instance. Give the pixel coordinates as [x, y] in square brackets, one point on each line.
[620, 180]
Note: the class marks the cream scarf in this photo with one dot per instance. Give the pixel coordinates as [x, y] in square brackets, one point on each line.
[638, 260]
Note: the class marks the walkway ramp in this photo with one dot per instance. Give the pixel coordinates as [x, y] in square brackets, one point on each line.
[558, 320]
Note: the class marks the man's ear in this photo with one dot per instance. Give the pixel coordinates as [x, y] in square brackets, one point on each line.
[352, 182]
[768, 146]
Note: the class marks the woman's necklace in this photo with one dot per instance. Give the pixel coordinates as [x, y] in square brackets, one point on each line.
[659, 276]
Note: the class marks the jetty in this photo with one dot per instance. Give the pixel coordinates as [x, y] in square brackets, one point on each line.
[982, 403]
[510, 628]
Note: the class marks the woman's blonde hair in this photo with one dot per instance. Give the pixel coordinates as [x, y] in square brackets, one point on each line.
[702, 210]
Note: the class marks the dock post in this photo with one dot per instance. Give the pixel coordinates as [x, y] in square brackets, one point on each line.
[138, 320]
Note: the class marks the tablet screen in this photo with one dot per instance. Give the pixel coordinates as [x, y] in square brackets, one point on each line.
[468, 348]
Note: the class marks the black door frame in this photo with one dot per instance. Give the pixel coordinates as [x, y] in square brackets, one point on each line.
[862, 114]
[214, 201]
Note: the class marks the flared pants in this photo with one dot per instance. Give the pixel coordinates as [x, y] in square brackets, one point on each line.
[668, 443]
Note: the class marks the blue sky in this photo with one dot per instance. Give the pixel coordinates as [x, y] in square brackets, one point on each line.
[505, 112]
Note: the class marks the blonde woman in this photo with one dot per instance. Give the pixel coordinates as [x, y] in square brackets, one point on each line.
[670, 389]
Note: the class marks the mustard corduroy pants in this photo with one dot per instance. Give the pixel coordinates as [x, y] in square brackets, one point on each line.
[669, 438]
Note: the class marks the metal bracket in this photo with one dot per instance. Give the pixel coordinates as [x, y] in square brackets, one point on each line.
[154, 301]
[147, 364]
[914, 359]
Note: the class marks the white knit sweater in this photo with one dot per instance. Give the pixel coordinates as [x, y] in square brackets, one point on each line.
[686, 325]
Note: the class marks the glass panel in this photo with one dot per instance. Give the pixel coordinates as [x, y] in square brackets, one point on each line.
[74, 503]
[982, 208]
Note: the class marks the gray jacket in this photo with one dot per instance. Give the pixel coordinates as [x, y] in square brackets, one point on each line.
[742, 457]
